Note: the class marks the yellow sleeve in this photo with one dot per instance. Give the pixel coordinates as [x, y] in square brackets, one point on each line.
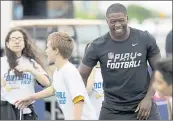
[78, 99]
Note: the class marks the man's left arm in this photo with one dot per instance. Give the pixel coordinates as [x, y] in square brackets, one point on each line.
[152, 62]
[153, 55]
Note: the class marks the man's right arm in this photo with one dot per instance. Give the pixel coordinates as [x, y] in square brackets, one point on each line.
[85, 71]
[89, 60]
[90, 81]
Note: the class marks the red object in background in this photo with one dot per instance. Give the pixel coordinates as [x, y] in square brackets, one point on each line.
[157, 98]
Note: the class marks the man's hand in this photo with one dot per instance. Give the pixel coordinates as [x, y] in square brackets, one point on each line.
[144, 108]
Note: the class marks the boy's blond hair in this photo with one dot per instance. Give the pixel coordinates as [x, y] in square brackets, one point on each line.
[63, 42]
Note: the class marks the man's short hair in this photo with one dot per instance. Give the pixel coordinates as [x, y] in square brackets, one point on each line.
[63, 42]
[165, 66]
[116, 8]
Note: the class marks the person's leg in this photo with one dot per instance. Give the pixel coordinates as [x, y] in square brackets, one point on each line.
[108, 113]
[154, 115]
[7, 111]
[4, 112]
[31, 116]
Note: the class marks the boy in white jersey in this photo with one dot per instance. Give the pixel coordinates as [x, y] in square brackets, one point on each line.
[164, 81]
[67, 86]
[95, 87]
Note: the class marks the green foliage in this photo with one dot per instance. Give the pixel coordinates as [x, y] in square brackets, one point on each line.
[84, 15]
[138, 12]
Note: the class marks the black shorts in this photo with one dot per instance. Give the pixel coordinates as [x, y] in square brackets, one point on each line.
[107, 113]
[9, 112]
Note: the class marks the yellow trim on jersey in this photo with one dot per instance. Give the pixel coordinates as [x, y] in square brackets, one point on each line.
[78, 99]
[52, 89]
[8, 88]
[3, 82]
[98, 65]
[99, 95]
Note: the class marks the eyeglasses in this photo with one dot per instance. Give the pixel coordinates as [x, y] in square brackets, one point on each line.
[13, 39]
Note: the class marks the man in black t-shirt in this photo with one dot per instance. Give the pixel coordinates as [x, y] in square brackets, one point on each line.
[123, 53]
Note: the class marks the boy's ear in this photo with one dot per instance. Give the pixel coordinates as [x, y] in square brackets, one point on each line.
[57, 51]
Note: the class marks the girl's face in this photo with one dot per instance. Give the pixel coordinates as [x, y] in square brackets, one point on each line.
[16, 42]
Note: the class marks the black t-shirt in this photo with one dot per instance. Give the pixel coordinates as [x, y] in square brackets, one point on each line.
[123, 66]
[169, 43]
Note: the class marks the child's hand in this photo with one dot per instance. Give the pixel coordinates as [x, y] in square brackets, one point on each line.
[24, 102]
[24, 68]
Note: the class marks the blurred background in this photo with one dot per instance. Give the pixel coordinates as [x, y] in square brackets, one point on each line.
[84, 21]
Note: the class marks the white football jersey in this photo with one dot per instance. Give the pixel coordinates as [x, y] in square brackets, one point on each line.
[68, 84]
[21, 86]
[97, 94]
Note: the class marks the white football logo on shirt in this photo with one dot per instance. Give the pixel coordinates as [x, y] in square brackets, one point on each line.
[139, 54]
[111, 55]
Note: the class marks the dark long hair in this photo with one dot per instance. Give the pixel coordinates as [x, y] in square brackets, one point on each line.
[29, 51]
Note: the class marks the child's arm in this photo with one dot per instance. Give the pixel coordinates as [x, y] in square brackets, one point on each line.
[22, 103]
[77, 91]
[39, 74]
[78, 107]
[43, 94]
